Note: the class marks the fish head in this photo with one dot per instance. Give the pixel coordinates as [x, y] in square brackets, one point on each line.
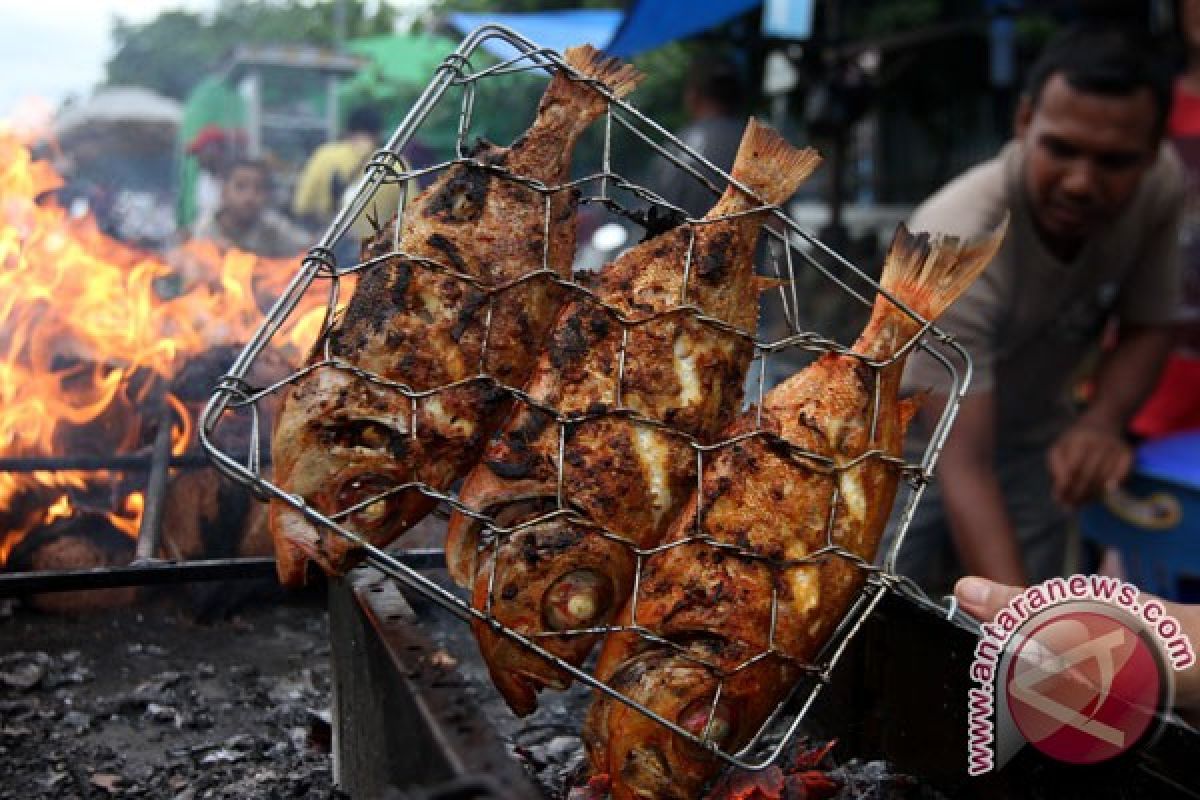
[554, 579]
[341, 445]
[645, 758]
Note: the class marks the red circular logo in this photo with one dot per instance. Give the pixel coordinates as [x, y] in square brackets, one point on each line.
[1083, 687]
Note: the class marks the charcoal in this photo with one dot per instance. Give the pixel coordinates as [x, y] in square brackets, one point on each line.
[23, 671]
[77, 721]
[136, 705]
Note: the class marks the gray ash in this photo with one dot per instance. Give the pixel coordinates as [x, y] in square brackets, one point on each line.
[143, 703]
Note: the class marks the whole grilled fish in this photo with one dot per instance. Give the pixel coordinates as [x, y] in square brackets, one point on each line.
[623, 479]
[754, 574]
[348, 445]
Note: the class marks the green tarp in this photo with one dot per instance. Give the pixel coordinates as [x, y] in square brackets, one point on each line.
[212, 102]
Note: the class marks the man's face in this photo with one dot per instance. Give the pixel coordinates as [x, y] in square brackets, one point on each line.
[214, 156]
[244, 194]
[1084, 156]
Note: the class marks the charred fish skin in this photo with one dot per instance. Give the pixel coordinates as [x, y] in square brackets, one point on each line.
[450, 317]
[635, 380]
[754, 608]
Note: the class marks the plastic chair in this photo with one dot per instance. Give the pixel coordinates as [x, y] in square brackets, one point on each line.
[1153, 521]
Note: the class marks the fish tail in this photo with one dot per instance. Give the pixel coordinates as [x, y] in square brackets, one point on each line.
[769, 166]
[928, 274]
[616, 76]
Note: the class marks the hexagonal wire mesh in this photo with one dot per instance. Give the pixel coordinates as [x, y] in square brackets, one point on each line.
[792, 255]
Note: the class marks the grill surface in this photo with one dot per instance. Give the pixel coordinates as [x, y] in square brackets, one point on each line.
[441, 730]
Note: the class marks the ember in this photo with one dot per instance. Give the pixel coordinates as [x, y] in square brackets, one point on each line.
[803, 780]
[93, 330]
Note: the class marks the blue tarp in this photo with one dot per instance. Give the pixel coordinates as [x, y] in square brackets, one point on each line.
[1174, 458]
[647, 24]
[554, 29]
[653, 23]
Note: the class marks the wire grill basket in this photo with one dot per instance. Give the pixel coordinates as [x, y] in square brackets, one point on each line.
[791, 254]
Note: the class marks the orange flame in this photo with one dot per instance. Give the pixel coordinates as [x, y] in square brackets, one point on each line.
[130, 518]
[85, 332]
[60, 510]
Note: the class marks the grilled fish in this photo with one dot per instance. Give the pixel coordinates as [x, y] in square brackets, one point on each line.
[350, 446]
[622, 477]
[752, 588]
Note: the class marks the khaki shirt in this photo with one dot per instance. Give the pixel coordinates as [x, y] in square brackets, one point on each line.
[1032, 320]
[272, 236]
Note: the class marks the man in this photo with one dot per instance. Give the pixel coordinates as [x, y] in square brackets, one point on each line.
[334, 167]
[1095, 205]
[213, 149]
[243, 220]
[713, 100]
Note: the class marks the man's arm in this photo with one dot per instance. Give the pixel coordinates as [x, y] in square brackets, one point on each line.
[972, 499]
[1092, 456]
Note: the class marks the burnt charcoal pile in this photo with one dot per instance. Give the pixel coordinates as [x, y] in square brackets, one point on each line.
[147, 704]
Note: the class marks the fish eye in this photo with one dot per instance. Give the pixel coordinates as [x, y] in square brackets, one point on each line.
[578, 599]
[694, 719]
[359, 489]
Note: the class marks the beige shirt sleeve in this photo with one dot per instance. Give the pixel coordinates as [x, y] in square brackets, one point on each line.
[969, 206]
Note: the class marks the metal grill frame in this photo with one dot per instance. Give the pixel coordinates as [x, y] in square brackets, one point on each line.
[234, 393]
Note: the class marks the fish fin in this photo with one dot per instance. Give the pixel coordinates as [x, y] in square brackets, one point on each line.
[765, 284]
[618, 77]
[909, 407]
[769, 166]
[928, 274]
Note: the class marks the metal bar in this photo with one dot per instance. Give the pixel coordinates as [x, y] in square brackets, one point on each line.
[150, 529]
[159, 572]
[144, 574]
[126, 463]
[400, 718]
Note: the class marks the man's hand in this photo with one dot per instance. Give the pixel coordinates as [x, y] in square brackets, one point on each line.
[1086, 461]
[981, 598]
[1091, 457]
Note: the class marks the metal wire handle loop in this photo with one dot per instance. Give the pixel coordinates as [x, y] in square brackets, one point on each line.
[234, 393]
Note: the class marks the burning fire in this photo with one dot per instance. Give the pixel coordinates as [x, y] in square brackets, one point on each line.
[87, 335]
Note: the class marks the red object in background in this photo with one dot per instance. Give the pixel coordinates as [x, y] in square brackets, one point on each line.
[1175, 404]
[215, 135]
[1185, 113]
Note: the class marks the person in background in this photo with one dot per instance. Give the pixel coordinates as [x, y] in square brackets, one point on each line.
[1094, 202]
[213, 148]
[334, 167]
[1175, 404]
[713, 100]
[243, 220]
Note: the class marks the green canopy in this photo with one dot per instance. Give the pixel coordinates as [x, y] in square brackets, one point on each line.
[402, 58]
[399, 68]
[212, 102]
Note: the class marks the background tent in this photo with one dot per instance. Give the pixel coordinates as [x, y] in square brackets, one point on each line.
[556, 30]
[647, 25]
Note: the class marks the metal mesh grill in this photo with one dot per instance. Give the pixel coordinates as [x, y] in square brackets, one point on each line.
[793, 256]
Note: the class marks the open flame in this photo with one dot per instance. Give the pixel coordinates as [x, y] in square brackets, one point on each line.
[87, 333]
